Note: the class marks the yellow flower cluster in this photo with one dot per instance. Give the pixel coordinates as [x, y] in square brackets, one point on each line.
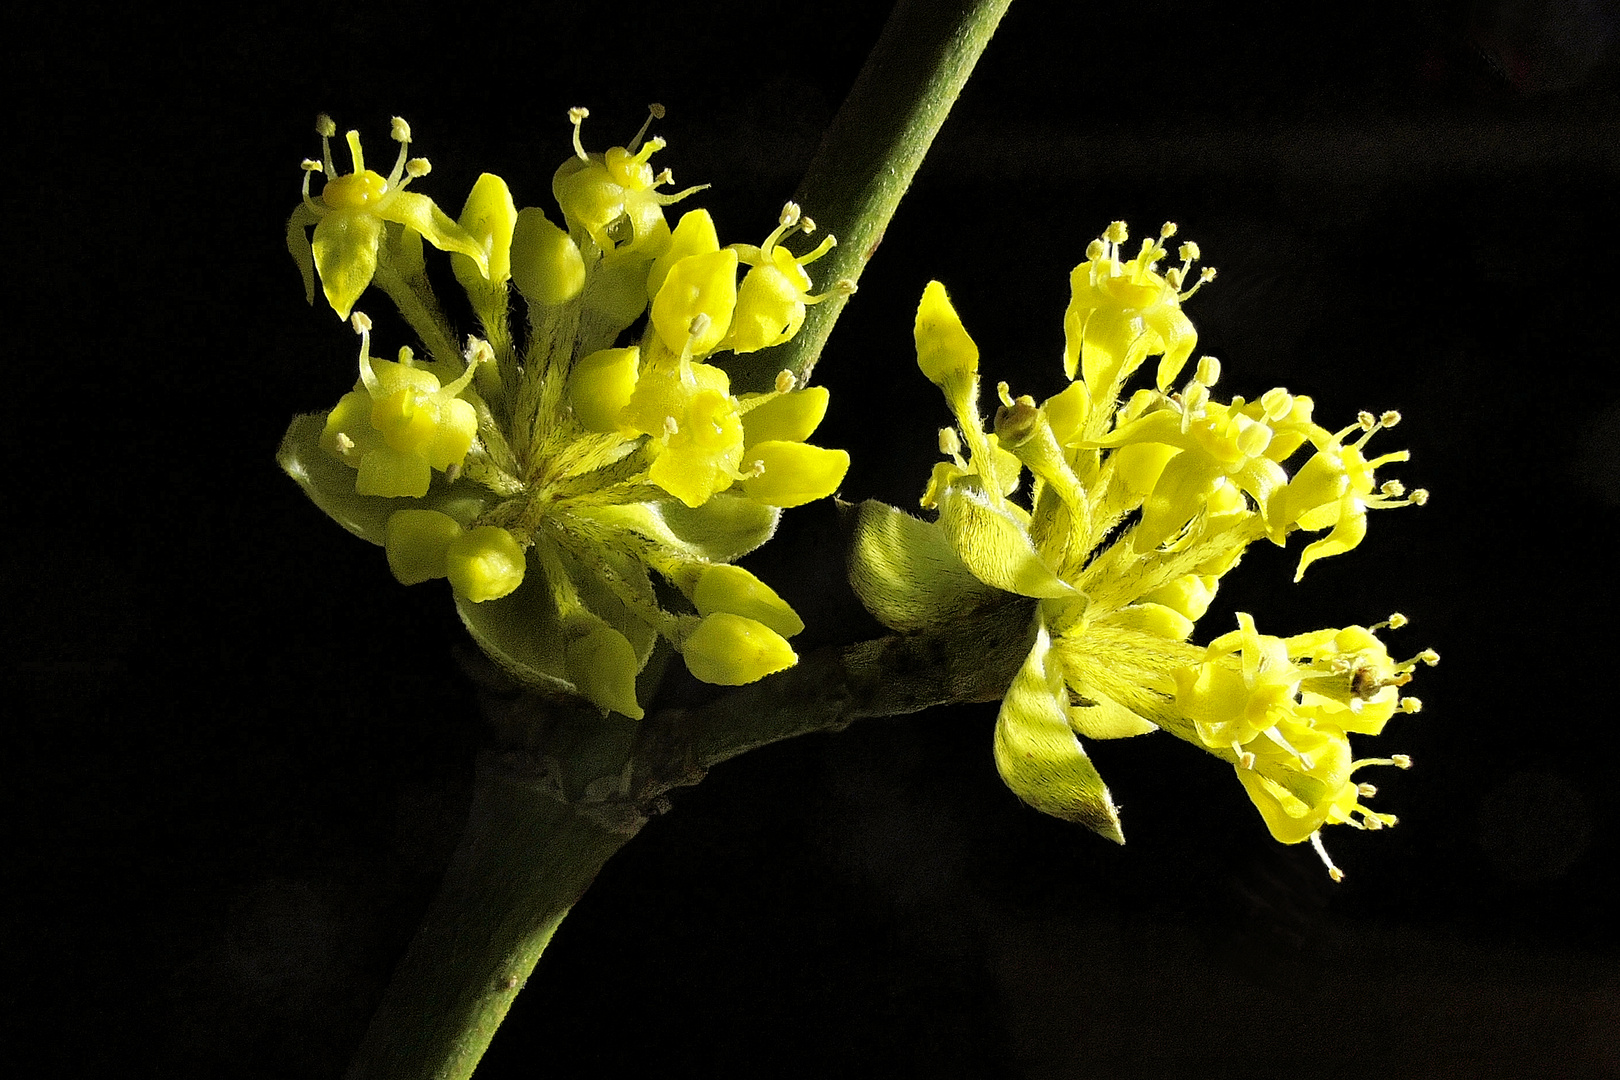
[1135, 511]
[549, 478]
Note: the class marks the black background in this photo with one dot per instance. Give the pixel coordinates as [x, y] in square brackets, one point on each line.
[240, 751]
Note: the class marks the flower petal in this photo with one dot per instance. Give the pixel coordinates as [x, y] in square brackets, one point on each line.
[345, 249]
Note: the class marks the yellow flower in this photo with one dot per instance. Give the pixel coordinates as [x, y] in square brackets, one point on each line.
[399, 424]
[613, 197]
[349, 217]
[771, 301]
[1134, 511]
[555, 474]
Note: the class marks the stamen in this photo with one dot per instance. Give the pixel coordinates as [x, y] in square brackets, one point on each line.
[362, 326]
[326, 129]
[576, 116]
[1205, 276]
[655, 111]
[1333, 871]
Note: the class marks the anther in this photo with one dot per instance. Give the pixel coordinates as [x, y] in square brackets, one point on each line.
[401, 131]
[671, 426]
[361, 322]
[807, 225]
[1411, 705]
[784, 381]
[418, 167]
[1392, 488]
[1094, 250]
[846, 286]
[1277, 403]
[344, 443]
[1429, 656]
[1004, 393]
[1333, 871]
[1366, 791]
[1419, 496]
[310, 165]
[790, 214]
[324, 127]
[1366, 420]
[949, 442]
[1209, 370]
[1116, 233]
[1390, 418]
[1397, 620]
[1188, 252]
[654, 112]
[1167, 230]
[1401, 761]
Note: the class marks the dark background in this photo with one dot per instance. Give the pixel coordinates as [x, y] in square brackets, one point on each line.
[240, 752]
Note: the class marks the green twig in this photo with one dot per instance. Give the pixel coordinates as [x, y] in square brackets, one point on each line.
[872, 150]
[525, 858]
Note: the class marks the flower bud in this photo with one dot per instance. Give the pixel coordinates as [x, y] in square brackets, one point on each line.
[602, 664]
[489, 217]
[730, 650]
[484, 563]
[416, 542]
[735, 590]
[546, 265]
[600, 386]
[945, 352]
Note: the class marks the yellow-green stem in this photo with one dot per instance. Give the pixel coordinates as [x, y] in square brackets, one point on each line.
[524, 859]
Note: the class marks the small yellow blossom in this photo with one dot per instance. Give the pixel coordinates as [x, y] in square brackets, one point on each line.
[1135, 510]
[351, 213]
[399, 424]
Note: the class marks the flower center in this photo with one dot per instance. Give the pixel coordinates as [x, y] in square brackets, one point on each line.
[354, 190]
